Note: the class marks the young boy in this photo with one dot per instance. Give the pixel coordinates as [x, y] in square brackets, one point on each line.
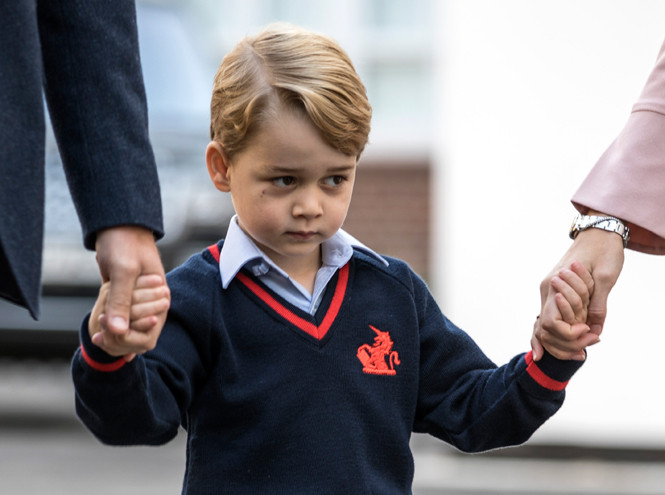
[297, 359]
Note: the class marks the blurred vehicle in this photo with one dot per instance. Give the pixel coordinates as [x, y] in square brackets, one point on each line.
[178, 87]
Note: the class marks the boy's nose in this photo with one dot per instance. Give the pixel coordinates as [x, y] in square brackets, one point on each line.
[308, 206]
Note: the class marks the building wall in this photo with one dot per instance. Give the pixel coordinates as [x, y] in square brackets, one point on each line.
[390, 211]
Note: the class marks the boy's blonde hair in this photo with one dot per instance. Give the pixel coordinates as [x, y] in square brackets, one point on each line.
[288, 67]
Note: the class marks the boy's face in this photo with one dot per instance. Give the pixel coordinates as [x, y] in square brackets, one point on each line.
[290, 189]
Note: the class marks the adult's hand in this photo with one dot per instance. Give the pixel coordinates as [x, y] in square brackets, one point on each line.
[601, 252]
[123, 254]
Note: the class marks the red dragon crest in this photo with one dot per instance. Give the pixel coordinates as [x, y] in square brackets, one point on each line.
[374, 357]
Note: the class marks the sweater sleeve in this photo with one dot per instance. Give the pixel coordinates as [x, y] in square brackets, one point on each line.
[469, 402]
[143, 402]
[628, 181]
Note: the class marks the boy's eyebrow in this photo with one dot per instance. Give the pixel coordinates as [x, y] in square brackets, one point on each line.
[281, 169]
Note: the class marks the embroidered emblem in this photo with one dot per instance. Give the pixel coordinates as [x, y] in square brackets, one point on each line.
[374, 357]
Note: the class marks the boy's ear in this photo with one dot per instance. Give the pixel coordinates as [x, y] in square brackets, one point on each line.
[218, 166]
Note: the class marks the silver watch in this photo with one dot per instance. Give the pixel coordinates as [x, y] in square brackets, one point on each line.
[611, 224]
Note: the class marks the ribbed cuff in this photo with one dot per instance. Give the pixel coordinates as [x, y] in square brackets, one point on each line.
[96, 357]
[549, 373]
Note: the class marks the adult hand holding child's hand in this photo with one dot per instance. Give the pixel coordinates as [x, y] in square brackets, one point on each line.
[149, 305]
[601, 253]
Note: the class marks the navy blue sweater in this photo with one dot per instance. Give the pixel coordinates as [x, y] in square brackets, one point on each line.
[275, 400]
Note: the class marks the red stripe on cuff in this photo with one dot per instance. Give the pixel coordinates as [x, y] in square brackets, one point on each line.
[114, 366]
[541, 378]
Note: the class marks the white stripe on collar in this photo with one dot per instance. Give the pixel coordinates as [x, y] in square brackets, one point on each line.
[239, 249]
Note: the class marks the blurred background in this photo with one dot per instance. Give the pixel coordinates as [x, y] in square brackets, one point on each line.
[487, 116]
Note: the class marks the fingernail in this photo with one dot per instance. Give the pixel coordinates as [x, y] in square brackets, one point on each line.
[596, 328]
[97, 339]
[578, 357]
[119, 322]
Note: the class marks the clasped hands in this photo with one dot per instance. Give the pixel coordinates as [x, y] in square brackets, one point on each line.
[134, 299]
[594, 252]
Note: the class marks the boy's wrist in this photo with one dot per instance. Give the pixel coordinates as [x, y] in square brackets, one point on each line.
[557, 369]
[93, 351]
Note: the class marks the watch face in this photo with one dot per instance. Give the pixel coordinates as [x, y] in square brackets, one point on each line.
[574, 227]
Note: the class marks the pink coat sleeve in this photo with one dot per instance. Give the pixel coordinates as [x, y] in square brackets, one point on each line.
[629, 179]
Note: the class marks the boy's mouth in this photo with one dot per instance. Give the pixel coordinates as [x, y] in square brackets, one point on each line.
[301, 235]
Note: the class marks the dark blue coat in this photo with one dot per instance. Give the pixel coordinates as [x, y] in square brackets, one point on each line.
[84, 55]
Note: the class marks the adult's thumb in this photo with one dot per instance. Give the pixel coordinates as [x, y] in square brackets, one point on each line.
[119, 303]
[597, 309]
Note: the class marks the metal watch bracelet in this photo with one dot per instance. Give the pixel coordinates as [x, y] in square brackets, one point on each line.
[608, 223]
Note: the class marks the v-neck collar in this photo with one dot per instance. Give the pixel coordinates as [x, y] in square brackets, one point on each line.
[306, 323]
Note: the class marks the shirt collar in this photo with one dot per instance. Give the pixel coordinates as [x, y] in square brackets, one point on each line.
[239, 249]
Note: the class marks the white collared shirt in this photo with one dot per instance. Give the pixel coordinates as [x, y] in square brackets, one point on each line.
[239, 250]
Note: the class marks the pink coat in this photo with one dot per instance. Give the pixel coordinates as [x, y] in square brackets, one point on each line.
[629, 179]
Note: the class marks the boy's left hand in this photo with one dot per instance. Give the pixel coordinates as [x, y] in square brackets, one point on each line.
[150, 302]
[573, 288]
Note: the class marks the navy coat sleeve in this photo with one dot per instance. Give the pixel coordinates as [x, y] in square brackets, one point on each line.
[84, 55]
[97, 103]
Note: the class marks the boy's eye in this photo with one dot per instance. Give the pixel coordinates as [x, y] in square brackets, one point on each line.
[284, 181]
[334, 180]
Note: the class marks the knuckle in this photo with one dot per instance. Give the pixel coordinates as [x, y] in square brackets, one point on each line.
[126, 265]
[545, 284]
[597, 312]
[545, 338]
[547, 323]
[603, 276]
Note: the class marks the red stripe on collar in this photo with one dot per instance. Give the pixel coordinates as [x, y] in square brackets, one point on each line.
[306, 326]
[214, 250]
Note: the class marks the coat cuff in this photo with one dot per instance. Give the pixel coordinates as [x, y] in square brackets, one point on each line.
[90, 238]
[95, 357]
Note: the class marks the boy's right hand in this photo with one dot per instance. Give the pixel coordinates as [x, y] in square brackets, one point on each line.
[573, 287]
[150, 303]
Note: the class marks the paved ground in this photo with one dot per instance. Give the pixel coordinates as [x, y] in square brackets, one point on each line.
[44, 450]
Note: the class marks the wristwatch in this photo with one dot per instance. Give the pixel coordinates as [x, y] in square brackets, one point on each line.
[611, 224]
